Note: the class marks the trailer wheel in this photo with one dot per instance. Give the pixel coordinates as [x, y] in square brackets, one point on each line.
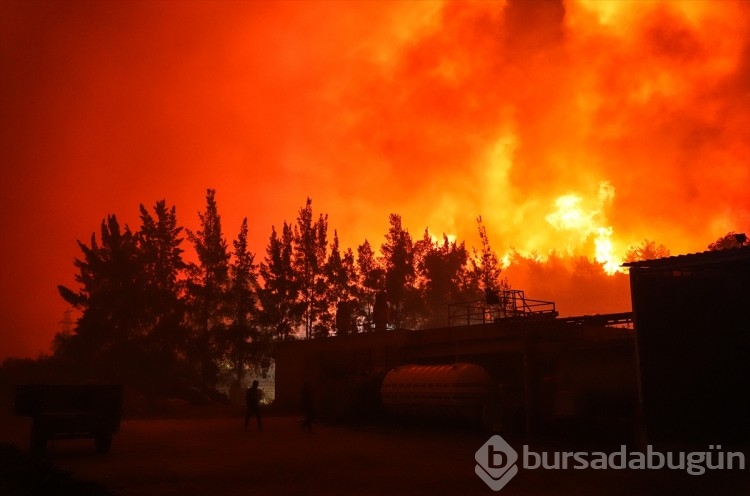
[103, 442]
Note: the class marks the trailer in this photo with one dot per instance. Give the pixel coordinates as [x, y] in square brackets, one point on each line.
[70, 412]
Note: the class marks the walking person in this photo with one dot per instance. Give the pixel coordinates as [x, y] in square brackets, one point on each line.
[252, 404]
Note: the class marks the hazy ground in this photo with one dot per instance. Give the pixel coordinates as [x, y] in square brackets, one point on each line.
[207, 456]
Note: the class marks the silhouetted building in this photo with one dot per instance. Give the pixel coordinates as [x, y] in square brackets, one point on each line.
[552, 371]
[693, 332]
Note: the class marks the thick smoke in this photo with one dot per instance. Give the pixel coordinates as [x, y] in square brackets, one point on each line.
[503, 108]
[437, 111]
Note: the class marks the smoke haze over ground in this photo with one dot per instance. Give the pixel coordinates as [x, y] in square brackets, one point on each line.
[582, 127]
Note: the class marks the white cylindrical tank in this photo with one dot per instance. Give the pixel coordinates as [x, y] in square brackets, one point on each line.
[462, 389]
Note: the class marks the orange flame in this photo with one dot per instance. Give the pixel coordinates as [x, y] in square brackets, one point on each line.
[582, 219]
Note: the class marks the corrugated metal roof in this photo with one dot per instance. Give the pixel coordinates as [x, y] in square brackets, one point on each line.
[419, 375]
[693, 259]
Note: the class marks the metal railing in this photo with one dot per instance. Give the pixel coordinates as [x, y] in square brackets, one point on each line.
[511, 303]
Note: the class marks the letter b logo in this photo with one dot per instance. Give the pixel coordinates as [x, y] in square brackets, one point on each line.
[496, 459]
[496, 462]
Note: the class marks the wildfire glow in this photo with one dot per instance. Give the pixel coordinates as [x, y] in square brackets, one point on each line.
[529, 113]
[439, 240]
[582, 219]
[604, 251]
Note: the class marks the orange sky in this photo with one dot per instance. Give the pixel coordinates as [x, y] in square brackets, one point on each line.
[637, 113]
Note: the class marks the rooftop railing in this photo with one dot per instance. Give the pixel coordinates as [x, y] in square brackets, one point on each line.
[505, 304]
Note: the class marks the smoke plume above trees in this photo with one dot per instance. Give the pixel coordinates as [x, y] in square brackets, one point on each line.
[634, 113]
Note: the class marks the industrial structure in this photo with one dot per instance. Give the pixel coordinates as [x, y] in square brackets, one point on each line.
[676, 369]
[543, 370]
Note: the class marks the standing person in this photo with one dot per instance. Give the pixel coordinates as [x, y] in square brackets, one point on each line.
[308, 406]
[252, 404]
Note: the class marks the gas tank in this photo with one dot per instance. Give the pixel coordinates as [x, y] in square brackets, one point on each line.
[458, 389]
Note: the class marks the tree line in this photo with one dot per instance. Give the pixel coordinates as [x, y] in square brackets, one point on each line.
[151, 318]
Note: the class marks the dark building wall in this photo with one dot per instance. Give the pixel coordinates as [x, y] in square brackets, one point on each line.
[536, 366]
[334, 364]
[692, 321]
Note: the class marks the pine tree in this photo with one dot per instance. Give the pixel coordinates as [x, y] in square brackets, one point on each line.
[442, 267]
[159, 240]
[244, 343]
[310, 247]
[111, 298]
[208, 288]
[398, 257]
[164, 353]
[352, 293]
[371, 281]
[339, 273]
[282, 313]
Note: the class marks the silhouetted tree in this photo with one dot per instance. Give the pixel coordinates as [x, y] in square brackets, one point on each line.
[310, 248]
[336, 276]
[416, 307]
[112, 300]
[282, 312]
[340, 279]
[131, 326]
[145, 313]
[159, 242]
[208, 289]
[586, 270]
[443, 269]
[244, 344]
[371, 281]
[728, 241]
[647, 250]
[420, 249]
[352, 293]
[398, 260]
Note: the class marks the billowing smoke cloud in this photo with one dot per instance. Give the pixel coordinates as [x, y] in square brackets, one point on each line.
[437, 111]
[502, 109]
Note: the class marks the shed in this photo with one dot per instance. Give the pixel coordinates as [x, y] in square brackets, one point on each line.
[692, 321]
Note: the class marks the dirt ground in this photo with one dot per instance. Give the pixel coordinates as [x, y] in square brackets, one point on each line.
[206, 456]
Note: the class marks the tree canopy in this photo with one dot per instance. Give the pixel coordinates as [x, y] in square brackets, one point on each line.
[146, 312]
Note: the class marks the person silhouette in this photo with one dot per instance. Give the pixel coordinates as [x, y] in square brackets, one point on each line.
[252, 404]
